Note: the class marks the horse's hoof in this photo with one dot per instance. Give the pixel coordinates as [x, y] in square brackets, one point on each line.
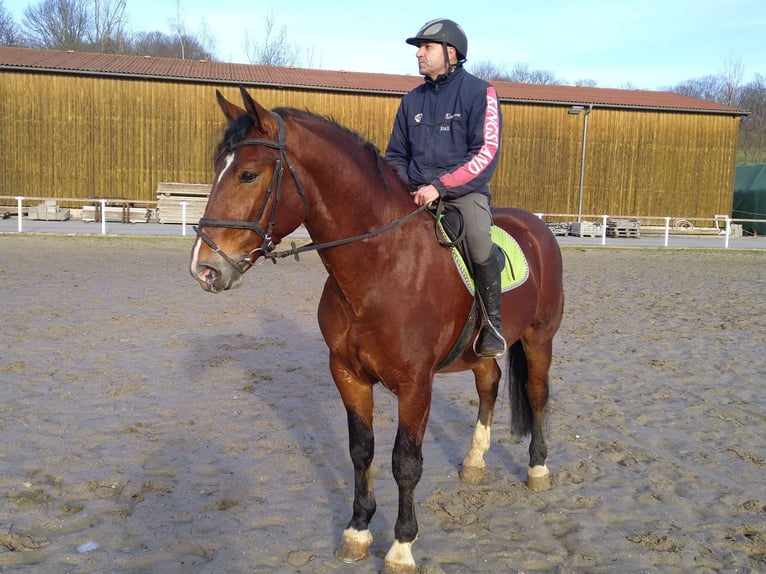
[354, 545]
[472, 474]
[400, 569]
[539, 478]
[399, 560]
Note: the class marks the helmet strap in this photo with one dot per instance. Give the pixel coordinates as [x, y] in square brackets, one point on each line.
[449, 67]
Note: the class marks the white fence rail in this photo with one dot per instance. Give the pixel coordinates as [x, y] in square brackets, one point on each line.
[670, 228]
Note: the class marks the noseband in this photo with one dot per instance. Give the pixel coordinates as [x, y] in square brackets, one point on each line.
[275, 188]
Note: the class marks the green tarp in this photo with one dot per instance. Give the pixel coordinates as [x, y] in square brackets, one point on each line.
[750, 197]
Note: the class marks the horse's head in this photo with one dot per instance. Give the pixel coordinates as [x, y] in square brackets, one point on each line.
[256, 198]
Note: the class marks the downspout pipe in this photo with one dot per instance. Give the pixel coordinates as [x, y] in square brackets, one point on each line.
[582, 160]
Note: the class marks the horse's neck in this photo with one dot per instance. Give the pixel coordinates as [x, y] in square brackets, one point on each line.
[350, 196]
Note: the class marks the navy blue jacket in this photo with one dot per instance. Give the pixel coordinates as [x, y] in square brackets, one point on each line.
[447, 132]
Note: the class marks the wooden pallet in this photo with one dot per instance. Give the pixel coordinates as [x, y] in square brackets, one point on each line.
[623, 232]
[171, 194]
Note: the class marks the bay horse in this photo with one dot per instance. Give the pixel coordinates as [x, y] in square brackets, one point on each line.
[393, 305]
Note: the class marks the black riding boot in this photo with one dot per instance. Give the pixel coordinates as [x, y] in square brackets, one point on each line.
[490, 342]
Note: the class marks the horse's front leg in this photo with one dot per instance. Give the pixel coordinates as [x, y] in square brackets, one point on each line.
[487, 376]
[407, 464]
[358, 399]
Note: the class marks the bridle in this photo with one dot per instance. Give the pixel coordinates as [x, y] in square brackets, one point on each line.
[275, 187]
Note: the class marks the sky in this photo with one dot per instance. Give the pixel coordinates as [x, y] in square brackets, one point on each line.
[639, 44]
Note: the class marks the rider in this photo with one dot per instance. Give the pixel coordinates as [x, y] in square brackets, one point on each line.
[445, 145]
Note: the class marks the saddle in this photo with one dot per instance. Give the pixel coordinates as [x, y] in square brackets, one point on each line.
[450, 233]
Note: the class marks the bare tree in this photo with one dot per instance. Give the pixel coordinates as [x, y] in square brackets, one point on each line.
[207, 40]
[188, 46]
[488, 71]
[751, 146]
[731, 77]
[58, 24]
[164, 45]
[586, 83]
[108, 25]
[521, 73]
[179, 27]
[709, 88]
[10, 35]
[274, 50]
[310, 59]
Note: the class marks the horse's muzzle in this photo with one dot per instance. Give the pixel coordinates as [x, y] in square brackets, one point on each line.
[213, 272]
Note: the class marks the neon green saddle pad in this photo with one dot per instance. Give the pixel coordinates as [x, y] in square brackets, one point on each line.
[516, 270]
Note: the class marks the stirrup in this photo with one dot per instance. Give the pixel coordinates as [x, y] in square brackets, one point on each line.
[488, 336]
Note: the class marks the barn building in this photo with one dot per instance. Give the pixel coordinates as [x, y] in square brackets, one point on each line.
[84, 125]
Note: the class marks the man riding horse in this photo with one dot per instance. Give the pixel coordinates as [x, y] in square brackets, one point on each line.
[445, 145]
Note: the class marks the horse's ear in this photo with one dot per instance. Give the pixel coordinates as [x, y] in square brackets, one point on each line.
[262, 117]
[231, 111]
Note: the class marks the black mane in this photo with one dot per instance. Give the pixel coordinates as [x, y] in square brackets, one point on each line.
[239, 129]
[381, 165]
[236, 132]
[305, 114]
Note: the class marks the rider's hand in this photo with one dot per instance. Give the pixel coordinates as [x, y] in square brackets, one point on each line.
[425, 195]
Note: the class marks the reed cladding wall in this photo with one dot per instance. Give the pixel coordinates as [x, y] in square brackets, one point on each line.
[70, 136]
[75, 136]
[636, 162]
[660, 163]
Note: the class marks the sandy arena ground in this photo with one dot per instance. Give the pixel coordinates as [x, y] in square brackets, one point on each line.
[170, 430]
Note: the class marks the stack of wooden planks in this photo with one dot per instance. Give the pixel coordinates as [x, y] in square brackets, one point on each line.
[171, 194]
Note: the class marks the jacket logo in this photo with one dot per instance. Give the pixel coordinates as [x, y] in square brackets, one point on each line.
[418, 118]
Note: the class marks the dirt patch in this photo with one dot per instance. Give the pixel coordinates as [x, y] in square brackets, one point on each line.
[158, 429]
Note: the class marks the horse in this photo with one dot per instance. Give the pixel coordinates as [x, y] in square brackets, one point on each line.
[393, 305]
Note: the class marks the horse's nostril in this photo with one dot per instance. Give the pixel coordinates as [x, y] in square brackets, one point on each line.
[206, 274]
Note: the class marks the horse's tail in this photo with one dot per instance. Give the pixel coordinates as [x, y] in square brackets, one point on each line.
[521, 410]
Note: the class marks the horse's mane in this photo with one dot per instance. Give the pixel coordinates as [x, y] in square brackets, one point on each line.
[332, 122]
[238, 129]
[311, 119]
[235, 133]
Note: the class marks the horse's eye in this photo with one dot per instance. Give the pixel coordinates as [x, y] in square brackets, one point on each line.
[247, 177]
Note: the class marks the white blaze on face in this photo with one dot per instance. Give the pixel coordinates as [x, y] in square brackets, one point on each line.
[228, 160]
[195, 257]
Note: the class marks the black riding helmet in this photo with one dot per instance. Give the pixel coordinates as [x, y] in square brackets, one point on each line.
[443, 31]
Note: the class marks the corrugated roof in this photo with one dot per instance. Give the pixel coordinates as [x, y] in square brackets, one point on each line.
[90, 63]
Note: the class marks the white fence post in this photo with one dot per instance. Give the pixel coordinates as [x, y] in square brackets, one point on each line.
[19, 198]
[728, 230]
[103, 216]
[667, 230]
[603, 229]
[183, 218]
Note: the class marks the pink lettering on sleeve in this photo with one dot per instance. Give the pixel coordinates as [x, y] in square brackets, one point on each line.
[483, 158]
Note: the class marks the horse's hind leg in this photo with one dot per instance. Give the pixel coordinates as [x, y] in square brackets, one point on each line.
[358, 399]
[533, 359]
[487, 377]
